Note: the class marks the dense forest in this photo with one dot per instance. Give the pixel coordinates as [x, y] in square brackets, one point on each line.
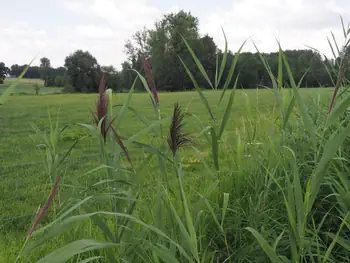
[163, 46]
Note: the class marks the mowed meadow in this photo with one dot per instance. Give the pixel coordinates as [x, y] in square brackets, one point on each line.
[29, 86]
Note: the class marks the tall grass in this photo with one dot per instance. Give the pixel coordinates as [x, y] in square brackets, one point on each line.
[283, 196]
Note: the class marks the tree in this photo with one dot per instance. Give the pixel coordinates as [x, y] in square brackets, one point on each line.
[206, 50]
[112, 77]
[83, 71]
[167, 45]
[60, 71]
[138, 45]
[110, 70]
[45, 63]
[3, 72]
[46, 72]
[163, 45]
[59, 81]
[16, 70]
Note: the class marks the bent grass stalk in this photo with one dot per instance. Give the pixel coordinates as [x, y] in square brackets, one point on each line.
[40, 215]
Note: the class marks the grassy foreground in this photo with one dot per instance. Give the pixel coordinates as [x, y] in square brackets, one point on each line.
[254, 200]
[219, 176]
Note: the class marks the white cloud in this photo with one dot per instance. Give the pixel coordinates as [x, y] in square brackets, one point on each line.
[103, 26]
[21, 41]
[114, 21]
[174, 9]
[124, 15]
[100, 26]
[95, 32]
[296, 23]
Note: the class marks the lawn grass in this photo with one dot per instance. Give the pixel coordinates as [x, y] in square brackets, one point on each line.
[24, 181]
[28, 86]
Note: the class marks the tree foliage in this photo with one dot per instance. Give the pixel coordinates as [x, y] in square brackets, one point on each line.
[83, 71]
[45, 63]
[163, 46]
[3, 72]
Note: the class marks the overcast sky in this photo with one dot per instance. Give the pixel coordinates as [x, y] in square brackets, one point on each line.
[56, 28]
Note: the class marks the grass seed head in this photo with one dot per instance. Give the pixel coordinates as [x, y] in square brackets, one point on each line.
[102, 107]
[101, 112]
[177, 138]
[43, 211]
[150, 79]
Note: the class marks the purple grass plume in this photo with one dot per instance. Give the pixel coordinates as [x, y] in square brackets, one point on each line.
[150, 79]
[101, 113]
[43, 211]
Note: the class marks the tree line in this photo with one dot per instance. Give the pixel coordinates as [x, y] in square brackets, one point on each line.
[163, 46]
[51, 76]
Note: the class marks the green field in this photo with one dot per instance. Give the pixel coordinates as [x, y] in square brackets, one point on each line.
[28, 86]
[243, 155]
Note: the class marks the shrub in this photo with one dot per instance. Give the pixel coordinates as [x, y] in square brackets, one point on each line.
[49, 82]
[1, 81]
[68, 88]
[60, 81]
[36, 88]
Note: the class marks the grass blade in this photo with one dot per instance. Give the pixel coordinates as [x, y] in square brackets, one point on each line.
[201, 95]
[288, 112]
[231, 71]
[224, 208]
[215, 148]
[4, 96]
[335, 240]
[344, 30]
[280, 70]
[63, 254]
[228, 110]
[188, 217]
[332, 49]
[278, 239]
[338, 110]
[216, 69]
[224, 60]
[186, 236]
[207, 167]
[143, 119]
[102, 225]
[148, 129]
[214, 216]
[303, 109]
[63, 215]
[155, 230]
[164, 253]
[150, 93]
[265, 246]
[341, 241]
[335, 43]
[292, 103]
[331, 147]
[90, 259]
[125, 106]
[198, 63]
[275, 85]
